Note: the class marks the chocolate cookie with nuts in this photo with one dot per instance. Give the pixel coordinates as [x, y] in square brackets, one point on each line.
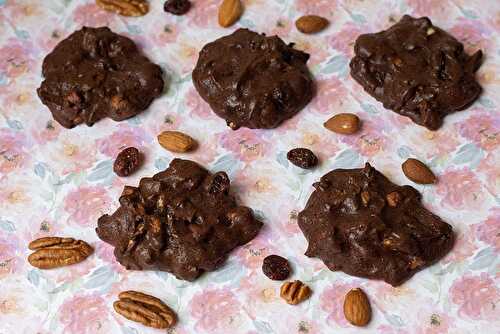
[95, 73]
[417, 70]
[182, 220]
[359, 222]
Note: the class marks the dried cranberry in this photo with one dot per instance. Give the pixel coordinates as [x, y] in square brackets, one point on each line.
[302, 157]
[127, 161]
[276, 267]
[177, 7]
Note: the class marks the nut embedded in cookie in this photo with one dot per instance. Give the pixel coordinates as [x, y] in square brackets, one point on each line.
[95, 73]
[182, 220]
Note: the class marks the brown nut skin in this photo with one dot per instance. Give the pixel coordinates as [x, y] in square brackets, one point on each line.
[176, 141]
[418, 172]
[343, 123]
[294, 292]
[311, 24]
[54, 252]
[357, 309]
[125, 7]
[145, 309]
[230, 12]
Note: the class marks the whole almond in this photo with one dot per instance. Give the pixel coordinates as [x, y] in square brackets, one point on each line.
[344, 123]
[229, 12]
[418, 172]
[310, 24]
[357, 308]
[175, 141]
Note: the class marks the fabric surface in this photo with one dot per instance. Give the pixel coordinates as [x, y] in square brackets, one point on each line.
[55, 181]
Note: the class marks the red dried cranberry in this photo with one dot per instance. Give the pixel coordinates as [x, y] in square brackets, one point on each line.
[276, 267]
[177, 7]
[127, 161]
[302, 157]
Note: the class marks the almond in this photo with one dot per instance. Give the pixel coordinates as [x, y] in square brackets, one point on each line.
[344, 123]
[310, 24]
[175, 141]
[357, 308]
[229, 12]
[418, 172]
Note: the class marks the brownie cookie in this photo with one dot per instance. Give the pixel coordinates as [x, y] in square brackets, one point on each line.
[417, 70]
[182, 220]
[252, 80]
[95, 73]
[359, 222]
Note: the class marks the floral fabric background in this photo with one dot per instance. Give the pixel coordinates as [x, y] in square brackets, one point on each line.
[55, 181]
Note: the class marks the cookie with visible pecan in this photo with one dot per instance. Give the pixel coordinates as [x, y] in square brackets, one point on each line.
[95, 73]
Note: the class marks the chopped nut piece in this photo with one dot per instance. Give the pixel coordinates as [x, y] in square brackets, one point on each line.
[295, 292]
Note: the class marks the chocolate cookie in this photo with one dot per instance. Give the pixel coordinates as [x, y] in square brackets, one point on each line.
[417, 70]
[182, 220]
[95, 73]
[252, 80]
[359, 222]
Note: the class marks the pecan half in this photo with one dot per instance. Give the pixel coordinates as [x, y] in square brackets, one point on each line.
[125, 7]
[148, 310]
[53, 252]
[295, 292]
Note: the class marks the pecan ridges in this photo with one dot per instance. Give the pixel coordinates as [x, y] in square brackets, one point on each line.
[145, 309]
[53, 252]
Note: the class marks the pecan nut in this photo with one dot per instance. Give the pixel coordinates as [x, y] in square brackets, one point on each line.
[125, 7]
[53, 252]
[145, 309]
[295, 292]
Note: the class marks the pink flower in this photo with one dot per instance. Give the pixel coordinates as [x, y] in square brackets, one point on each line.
[460, 189]
[86, 204]
[371, 140]
[47, 133]
[317, 7]
[432, 323]
[246, 144]
[489, 167]
[168, 34]
[428, 7]
[125, 136]
[92, 15]
[84, 314]
[204, 13]
[105, 252]
[343, 41]
[463, 249]
[9, 254]
[329, 96]
[71, 154]
[476, 297]
[472, 33]
[332, 300]
[483, 129]
[388, 329]
[488, 231]
[197, 106]
[13, 150]
[212, 309]
[16, 58]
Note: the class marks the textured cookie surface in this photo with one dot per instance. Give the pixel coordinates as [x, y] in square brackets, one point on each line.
[417, 70]
[95, 73]
[182, 220]
[359, 222]
[253, 81]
